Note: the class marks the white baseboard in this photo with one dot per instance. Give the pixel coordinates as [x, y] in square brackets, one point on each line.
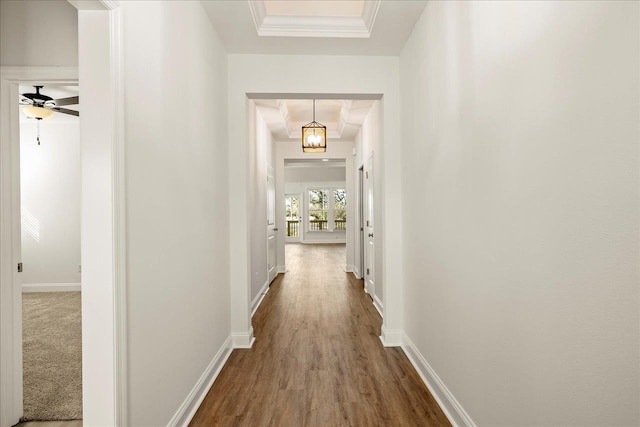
[356, 272]
[258, 299]
[316, 242]
[348, 268]
[378, 305]
[282, 269]
[391, 338]
[450, 406]
[243, 339]
[51, 287]
[197, 394]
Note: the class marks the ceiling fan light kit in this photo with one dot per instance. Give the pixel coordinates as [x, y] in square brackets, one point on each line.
[314, 135]
[39, 106]
[38, 113]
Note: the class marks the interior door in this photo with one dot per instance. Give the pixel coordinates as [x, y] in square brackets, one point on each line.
[271, 226]
[369, 276]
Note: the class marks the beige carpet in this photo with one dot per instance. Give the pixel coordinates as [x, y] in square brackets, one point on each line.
[52, 355]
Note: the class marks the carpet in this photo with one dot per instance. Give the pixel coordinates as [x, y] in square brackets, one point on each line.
[52, 355]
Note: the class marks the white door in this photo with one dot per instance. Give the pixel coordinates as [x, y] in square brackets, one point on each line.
[271, 226]
[293, 219]
[369, 252]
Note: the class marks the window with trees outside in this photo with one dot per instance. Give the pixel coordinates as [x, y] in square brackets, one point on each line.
[327, 209]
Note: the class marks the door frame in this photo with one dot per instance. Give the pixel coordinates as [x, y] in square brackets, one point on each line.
[360, 269]
[104, 378]
[272, 224]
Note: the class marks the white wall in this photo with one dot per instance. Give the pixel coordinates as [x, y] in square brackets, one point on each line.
[261, 158]
[38, 32]
[280, 74]
[520, 193]
[317, 173]
[177, 203]
[50, 199]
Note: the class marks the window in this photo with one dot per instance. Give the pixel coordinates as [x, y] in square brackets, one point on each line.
[340, 209]
[327, 209]
[292, 208]
[318, 209]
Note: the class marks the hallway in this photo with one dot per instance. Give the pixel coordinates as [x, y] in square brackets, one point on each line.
[317, 359]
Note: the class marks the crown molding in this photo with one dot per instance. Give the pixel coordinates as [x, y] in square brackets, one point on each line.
[95, 4]
[314, 26]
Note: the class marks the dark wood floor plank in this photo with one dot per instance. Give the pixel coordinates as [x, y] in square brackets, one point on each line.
[318, 359]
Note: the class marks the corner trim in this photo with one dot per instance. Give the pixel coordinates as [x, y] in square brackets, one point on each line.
[258, 299]
[188, 409]
[391, 338]
[378, 305]
[448, 403]
[243, 339]
[282, 268]
[51, 287]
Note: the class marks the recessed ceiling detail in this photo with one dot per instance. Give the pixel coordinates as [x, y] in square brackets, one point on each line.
[294, 18]
[285, 117]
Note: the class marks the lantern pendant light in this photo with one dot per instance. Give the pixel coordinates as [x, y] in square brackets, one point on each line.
[314, 135]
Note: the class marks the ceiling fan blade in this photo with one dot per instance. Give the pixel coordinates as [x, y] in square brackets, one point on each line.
[72, 100]
[66, 111]
[25, 101]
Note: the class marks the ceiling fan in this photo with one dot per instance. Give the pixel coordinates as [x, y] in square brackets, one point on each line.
[39, 106]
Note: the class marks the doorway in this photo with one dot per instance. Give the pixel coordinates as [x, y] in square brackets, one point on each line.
[102, 220]
[50, 187]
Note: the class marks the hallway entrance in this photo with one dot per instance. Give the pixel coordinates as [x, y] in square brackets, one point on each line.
[318, 360]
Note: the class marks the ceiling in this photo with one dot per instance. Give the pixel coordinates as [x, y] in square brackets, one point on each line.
[314, 8]
[56, 92]
[342, 117]
[362, 27]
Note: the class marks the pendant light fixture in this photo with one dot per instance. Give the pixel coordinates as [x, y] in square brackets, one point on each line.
[314, 135]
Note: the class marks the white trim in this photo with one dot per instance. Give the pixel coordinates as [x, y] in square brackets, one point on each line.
[314, 26]
[119, 212]
[189, 407]
[100, 5]
[261, 294]
[390, 338]
[378, 305]
[315, 242]
[446, 400]
[356, 272]
[50, 287]
[348, 268]
[282, 269]
[243, 339]
[50, 75]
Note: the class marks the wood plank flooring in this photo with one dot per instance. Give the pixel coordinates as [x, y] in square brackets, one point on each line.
[318, 359]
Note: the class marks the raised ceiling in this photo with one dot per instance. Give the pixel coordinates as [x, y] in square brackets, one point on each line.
[347, 18]
[314, 8]
[285, 117]
[369, 27]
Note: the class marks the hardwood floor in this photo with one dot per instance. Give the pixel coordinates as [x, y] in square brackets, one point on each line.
[317, 359]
